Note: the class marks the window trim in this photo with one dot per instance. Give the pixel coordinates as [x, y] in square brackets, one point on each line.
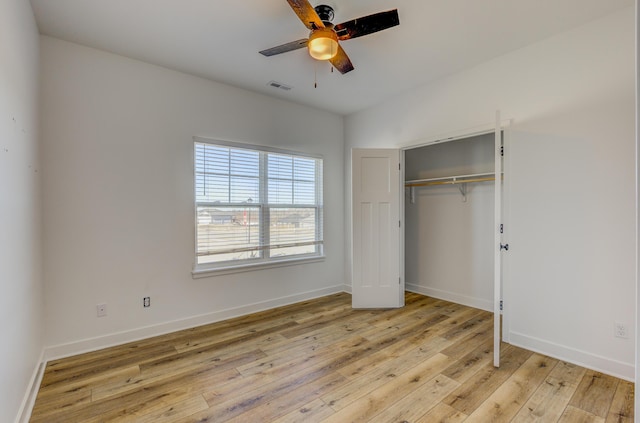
[250, 267]
[205, 270]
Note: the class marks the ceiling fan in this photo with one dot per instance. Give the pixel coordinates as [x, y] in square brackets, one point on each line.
[323, 39]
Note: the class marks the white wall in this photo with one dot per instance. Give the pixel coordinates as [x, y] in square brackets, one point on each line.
[570, 269]
[21, 291]
[118, 203]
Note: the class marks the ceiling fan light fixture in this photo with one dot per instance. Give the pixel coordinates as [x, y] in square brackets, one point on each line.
[323, 44]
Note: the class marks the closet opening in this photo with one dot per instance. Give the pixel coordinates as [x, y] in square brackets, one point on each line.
[449, 218]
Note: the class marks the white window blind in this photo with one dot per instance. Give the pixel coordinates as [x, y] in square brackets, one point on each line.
[255, 205]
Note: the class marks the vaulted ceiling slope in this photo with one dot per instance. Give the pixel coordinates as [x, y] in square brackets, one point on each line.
[220, 40]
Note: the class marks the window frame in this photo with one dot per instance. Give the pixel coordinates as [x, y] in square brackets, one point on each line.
[265, 261]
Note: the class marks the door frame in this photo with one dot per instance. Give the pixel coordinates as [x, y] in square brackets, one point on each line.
[501, 320]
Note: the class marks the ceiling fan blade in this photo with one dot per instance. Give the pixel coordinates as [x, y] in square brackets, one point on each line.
[367, 25]
[293, 45]
[306, 13]
[341, 61]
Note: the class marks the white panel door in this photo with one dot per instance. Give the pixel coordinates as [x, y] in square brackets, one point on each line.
[377, 281]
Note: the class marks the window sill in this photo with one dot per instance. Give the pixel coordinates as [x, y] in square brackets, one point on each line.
[220, 271]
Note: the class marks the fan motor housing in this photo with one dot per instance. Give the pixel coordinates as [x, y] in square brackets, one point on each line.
[325, 13]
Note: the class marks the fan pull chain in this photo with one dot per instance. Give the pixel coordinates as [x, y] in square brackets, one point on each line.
[333, 53]
[315, 75]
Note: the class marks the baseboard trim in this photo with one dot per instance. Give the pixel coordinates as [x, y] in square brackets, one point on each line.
[598, 363]
[55, 352]
[24, 413]
[451, 296]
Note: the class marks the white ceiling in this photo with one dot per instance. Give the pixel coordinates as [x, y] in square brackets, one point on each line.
[220, 40]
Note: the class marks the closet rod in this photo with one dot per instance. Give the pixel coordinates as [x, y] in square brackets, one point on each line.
[451, 178]
[451, 182]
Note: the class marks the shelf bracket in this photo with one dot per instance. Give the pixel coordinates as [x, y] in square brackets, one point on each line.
[411, 192]
[463, 190]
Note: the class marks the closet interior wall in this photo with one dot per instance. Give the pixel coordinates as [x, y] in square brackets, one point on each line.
[448, 235]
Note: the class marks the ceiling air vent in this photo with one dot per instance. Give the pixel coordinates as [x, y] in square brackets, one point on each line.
[279, 85]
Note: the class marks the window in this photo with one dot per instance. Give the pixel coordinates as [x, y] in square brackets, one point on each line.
[255, 205]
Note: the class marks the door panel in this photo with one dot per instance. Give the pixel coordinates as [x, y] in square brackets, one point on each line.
[376, 230]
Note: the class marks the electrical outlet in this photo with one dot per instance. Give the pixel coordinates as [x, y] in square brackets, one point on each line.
[101, 310]
[146, 302]
[620, 330]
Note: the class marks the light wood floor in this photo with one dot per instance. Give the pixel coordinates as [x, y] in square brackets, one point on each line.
[321, 361]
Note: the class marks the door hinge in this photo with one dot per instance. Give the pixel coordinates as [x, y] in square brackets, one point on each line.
[502, 151]
[504, 247]
[399, 223]
[398, 166]
[399, 281]
[501, 228]
[501, 304]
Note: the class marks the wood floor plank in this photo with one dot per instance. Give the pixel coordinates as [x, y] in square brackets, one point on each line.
[465, 341]
[294, 399]
[484, 382]
[595, 393]
[418, 402]
[317, 364]
[408, 328]
[55, 398]
[467, 365]
[60, 373]
[408, 312]
[321, 361]
[551, 398]
[144, 400]
[621, 410]
[224, 334]
[458, 316]
[445, 307]
[308, 369]
[305, 355]
[185, 363]
[372, 403]
[320, 337]
[575, 415]
[315, 411]
[167, 413]
[253, 323]
[424, 335]
[87, 384]
[205, 356]
[381, 375]
[463, 329]
[60, 402]
[320, 321]
[442, 413]
[405, 352]
[120, 387]
[508, 399]
[226, 408]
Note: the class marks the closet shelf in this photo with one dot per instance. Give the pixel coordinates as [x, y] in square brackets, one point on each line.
[448, 180]
[460, 180]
